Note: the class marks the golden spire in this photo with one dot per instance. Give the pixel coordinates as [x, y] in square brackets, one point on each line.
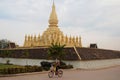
[53, 21]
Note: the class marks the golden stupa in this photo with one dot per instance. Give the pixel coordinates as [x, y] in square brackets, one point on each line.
[52, 35]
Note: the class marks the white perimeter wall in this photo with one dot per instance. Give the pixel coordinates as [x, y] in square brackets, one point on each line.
[91, 64]
[95, 64]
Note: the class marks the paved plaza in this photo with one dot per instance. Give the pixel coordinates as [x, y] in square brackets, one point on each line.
[112, 73]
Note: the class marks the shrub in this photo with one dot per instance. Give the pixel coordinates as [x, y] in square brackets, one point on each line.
[69, 66]
[45, 65]
[62, 63]
[37, 68]
[20, 70]
[33, 68]
[8, 62]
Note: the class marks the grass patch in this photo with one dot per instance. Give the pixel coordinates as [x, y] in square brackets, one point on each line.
[3, 66]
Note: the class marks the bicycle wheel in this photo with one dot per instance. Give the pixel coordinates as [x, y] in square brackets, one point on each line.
[50, 74]
[60, 73]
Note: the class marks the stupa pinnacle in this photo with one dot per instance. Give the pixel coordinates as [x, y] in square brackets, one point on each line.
[53, 21]
[52, 35]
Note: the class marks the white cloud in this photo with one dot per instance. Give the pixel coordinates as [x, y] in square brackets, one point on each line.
[95, 20]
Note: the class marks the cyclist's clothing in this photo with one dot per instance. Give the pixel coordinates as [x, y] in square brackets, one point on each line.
[57, 68]
[57, 65]
[53, 67]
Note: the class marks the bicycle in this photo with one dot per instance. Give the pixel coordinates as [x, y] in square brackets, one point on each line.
[58, 73]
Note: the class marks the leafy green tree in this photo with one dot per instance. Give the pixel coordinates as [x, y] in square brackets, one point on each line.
[4, 43]
[55, 51]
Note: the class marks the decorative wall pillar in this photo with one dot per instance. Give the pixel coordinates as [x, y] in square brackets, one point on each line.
[80, 44]
[77, 41]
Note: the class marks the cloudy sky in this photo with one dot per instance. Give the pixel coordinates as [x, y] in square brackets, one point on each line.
[96, 21]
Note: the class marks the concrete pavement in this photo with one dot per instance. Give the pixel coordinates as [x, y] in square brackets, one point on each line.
[112, 73]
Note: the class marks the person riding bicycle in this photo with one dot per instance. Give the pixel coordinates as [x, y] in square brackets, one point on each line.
[53, 67]
[57, 65]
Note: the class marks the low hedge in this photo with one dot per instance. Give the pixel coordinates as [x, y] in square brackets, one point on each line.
[33, 68]
[44, 66]
[20, 70]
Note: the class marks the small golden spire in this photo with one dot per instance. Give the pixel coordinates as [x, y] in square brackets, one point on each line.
[53, 21]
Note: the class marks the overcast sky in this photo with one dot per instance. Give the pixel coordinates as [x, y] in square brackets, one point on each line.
[96, 21]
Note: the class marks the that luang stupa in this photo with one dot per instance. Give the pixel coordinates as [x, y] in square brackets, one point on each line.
[37, 46]
[52, 35]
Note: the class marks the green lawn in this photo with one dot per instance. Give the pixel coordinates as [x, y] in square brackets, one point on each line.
[2, 66]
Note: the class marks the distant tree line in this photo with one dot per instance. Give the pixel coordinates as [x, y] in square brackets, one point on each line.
[4, 43]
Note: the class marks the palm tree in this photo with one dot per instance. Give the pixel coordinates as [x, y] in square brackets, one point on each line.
[55, 51]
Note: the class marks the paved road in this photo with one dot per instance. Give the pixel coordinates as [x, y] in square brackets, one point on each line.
[103, 74]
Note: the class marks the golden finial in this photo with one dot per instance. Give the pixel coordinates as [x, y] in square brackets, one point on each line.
[53, 21]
